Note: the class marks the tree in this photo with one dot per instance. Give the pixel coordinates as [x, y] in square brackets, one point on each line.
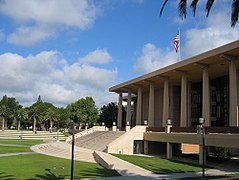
[8, 109]
[21, 115]
[108, 114]
[34, 114]
[62, 118]
[182, 9]
[3, 113]
[83, 111]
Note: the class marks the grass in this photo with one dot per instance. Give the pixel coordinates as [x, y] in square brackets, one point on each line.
[12, 146]
[159, 165]
[37, 167]
[13, 149]
[21, 142]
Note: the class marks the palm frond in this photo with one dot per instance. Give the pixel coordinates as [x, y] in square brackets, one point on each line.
[235, 12]
[162, 8]
[208, 6]
[182, 8]
[194, 6]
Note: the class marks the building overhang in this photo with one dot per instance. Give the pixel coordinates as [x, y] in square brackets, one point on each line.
[217, 61]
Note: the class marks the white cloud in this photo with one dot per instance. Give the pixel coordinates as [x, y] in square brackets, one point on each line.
[153, 58]
[87, 74]
[49, 75]
[216, 33]
[40, 19]
[99, 56]
[26, 35]
[74, 13]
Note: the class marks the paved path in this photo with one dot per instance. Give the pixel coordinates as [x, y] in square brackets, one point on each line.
[127, 170]
[15, 145]
[16, 154]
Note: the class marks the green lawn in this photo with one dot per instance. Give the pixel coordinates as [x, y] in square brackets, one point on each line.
[21, 142]
[159, 165]
[37, 167]
[13, 149]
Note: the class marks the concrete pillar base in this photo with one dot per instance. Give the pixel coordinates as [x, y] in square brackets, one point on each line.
[114, 128]
[127, 128]
[146, 147]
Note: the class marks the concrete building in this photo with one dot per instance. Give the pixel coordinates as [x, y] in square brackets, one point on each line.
[206, 85]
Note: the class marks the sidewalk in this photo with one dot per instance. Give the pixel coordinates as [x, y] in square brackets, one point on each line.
[16, 154]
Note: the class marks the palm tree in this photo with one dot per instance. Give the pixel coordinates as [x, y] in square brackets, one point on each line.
[182, 9]
[34, 114]
[3, 113]
[21, 114]
[51, 115]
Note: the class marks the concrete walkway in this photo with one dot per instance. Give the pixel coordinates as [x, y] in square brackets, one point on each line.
[127, 170]
[16, 154]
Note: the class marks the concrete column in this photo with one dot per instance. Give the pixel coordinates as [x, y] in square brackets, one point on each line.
[139, 107]
[119, 120]
[151, 106]
[233, 106]
[146, 144]
[206, 97]
[183, 116]
[165, 102]
[128, 114]
[189, 103]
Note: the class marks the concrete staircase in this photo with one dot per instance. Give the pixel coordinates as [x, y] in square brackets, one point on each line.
[98, 140]
[41, 135]
[63, 150]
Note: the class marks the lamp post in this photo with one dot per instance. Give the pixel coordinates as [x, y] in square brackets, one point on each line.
[201, 131]
[72, 127]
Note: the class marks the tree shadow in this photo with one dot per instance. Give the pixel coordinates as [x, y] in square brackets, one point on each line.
[4, 176]
[96, 173]
[48, 176]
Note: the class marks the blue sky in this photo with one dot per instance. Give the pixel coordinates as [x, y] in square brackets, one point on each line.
[65, 50]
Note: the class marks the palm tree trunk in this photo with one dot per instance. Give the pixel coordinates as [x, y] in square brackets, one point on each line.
[34, 124]
[18, 125]
[3, 123]
[51, 124]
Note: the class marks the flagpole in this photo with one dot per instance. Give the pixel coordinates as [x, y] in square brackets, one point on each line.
[179, 50]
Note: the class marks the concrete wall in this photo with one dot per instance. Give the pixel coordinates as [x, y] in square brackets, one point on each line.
[145, 106]
[125, 143]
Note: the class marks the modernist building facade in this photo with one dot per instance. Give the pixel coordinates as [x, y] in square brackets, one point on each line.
[202, 86]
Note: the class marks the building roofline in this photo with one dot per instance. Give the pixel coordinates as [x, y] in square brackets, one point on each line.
[225, 49]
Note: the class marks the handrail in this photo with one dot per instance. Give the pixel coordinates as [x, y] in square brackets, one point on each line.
[155, 129]
[232, 130]
[184, 129]
[208, 130]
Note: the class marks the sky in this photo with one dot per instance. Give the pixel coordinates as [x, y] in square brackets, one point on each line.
[65, 50]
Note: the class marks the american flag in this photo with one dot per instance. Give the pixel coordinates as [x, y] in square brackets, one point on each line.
[177, 42]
